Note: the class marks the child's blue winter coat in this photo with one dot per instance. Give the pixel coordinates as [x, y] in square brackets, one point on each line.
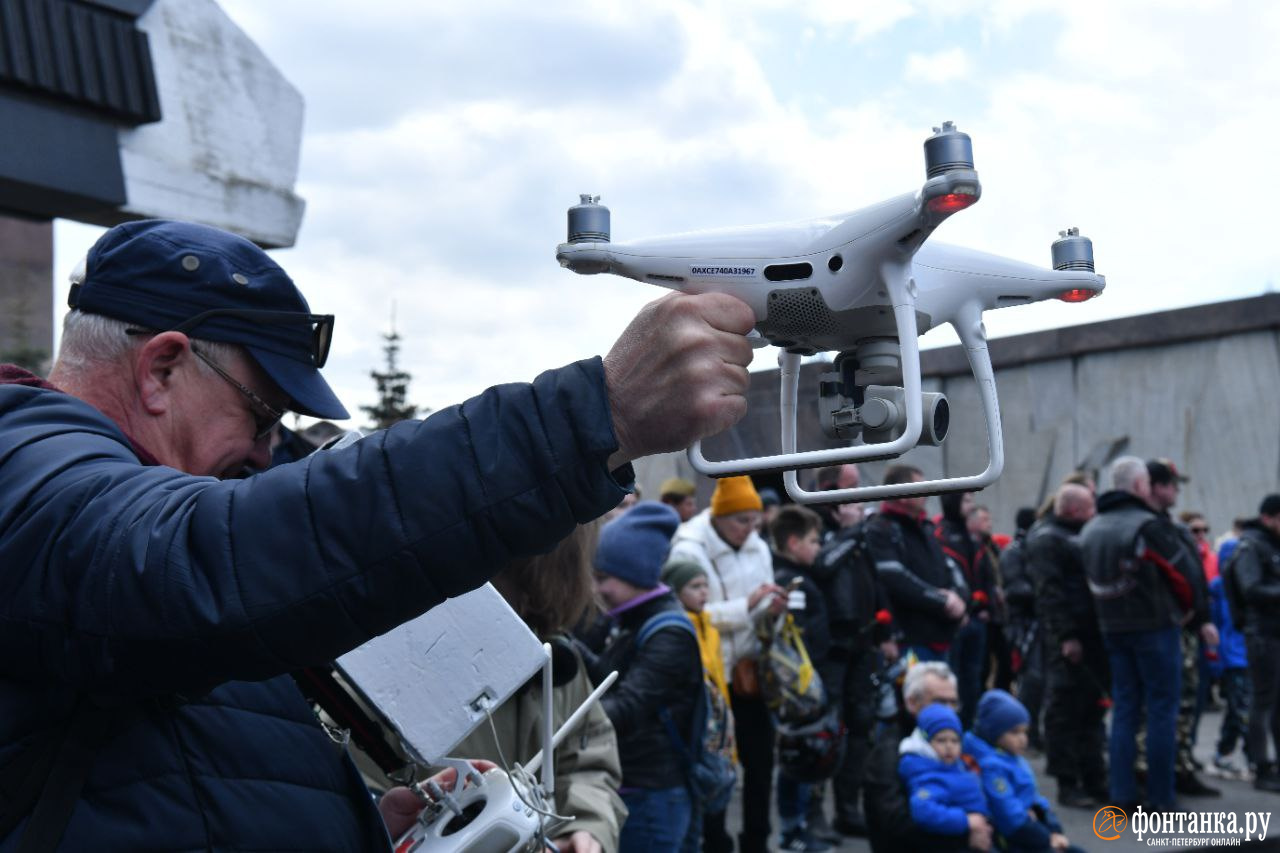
[942, 795]
[1010, 786]
[1231, 645]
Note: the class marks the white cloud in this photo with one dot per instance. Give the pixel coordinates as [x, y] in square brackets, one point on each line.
[941, 67]
[445, 143]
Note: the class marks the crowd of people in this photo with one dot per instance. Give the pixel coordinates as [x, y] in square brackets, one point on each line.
[935, 638]
[161, 585]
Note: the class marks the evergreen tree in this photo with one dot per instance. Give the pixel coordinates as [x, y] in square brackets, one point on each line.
[393, 387]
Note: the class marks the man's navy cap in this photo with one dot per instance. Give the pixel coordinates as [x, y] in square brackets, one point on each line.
[161, 274]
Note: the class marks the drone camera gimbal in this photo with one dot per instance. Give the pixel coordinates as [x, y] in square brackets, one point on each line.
[863, 285]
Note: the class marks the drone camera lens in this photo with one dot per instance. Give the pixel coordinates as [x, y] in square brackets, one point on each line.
[941, 419]
[835, 263]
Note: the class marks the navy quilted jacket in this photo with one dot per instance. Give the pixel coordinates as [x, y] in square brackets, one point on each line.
[188, 598]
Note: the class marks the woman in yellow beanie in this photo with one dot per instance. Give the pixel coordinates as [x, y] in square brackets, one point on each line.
[723, 540]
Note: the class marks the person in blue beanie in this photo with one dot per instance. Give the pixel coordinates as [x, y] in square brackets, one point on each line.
[1024, 820]
[654, 649]
[946, 797]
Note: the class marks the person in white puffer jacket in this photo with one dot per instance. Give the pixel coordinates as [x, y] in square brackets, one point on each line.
[723, 540]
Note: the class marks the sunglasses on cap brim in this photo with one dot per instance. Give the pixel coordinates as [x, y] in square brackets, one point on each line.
[321, 325]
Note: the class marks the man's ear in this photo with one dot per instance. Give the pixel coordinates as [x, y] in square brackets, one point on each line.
[154, 371]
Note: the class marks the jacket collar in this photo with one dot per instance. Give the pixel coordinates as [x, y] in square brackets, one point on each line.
[896, 509]
[12, 374]
[657, 592]
[1117, 499]
[702, 530]
[917, 744]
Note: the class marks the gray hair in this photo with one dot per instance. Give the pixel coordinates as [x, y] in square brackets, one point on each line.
[913, 684]
[91, 341]
[1127, 472]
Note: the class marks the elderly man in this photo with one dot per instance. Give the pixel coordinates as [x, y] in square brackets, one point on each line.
[885, 796]
[1145, 583]
[151, 610]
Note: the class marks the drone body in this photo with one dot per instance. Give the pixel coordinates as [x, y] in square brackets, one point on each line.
[864, 285]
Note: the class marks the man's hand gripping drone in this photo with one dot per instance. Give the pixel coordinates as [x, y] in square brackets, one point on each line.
[864, 285]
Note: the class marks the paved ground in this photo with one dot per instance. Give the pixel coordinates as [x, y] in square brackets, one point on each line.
[1239, 798]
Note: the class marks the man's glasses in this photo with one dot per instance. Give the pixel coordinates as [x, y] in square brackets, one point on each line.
[321, 325]
[1200, 530]
[265, 415]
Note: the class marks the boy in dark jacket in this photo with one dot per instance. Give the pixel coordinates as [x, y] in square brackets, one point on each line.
[661, 674]
[796, 535]
[1023, 818]
[946, 797]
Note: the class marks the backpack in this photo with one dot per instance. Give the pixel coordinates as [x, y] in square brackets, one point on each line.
[789, 681]
[707, 754]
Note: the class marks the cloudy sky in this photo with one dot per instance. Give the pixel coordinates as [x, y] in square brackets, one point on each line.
[444, 143]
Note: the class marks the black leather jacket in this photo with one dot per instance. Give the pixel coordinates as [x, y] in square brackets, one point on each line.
[915, 574]
[1019, 588]
[665, 672]
[846, 573]
[1255, 567]
[1064, 604]
[1142, 575]
[976, 560]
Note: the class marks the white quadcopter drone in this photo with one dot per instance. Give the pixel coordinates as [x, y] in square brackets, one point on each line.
[864, 285]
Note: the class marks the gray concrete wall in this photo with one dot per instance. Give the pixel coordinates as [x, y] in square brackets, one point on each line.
[26, 297]
[1212, 406]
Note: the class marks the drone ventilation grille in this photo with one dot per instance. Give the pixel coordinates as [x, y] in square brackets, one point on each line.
[800, 314]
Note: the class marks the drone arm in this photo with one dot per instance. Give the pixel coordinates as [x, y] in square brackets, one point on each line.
[968, 325]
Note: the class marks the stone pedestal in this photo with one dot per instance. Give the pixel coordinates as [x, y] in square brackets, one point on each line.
[26, 293]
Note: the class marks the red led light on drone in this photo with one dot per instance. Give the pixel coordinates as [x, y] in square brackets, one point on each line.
[1077, 295]
[950, 203]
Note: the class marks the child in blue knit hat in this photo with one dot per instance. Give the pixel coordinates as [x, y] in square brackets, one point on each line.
[1023, 818]
[946, 797]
